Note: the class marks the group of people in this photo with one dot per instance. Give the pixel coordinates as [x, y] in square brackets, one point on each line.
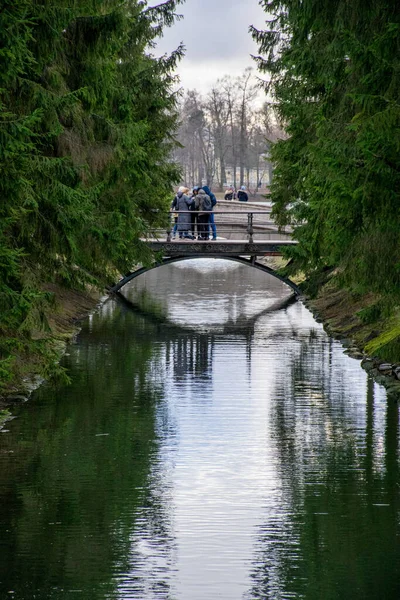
[194, 209]
[241, 195]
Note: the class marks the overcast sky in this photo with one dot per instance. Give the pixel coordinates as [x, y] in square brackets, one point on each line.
[215, 34]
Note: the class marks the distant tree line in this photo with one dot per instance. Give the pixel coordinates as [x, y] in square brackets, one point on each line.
[87, 116]
[334, 72]
[225, 134]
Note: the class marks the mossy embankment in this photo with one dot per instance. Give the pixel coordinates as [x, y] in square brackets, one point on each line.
[62, 317]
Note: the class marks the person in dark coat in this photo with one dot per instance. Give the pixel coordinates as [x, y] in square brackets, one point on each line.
[242, 194]
[202, 219]
[182, 203]
[193, 215]
[228, 194]
[211, 215]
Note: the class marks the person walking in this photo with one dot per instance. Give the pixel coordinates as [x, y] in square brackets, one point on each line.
[203, 205]
[181, 203]
[211, 215]
[242, 194]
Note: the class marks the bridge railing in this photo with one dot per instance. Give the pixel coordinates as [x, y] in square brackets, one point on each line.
[229, 223]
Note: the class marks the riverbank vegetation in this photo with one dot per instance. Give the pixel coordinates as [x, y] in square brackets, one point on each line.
[87, 115]
[333, 71]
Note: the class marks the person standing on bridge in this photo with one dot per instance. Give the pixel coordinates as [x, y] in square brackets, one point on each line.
[182, 203]
[203, 205]
[193, 215]
[242, 194]
[211, 215]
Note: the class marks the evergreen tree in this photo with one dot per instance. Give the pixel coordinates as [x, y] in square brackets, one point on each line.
[86, 131]
[334, 73]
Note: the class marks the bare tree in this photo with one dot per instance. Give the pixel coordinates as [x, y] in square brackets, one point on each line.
[248, 92]
[219, 117]
[231, 99]
[189, 153]
[225, 132]
[205, 140]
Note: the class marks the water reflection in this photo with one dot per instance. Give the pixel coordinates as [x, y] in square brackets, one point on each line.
[337, 523]
[207, 294]
[203, 460]
[76, 477]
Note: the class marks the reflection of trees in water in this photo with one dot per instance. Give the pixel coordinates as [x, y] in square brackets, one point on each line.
[191, 355]
[331, 536]
[74, 515]
[246, 325]
[86, 497]
[191, 349]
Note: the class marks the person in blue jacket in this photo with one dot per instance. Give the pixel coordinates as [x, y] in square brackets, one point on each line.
[214, 202]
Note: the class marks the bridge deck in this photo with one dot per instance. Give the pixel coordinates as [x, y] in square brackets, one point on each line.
[220, 247]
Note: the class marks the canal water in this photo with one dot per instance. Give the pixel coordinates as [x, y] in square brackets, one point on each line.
[207, 448]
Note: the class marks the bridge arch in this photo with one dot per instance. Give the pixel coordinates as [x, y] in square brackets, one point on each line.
[239, 259]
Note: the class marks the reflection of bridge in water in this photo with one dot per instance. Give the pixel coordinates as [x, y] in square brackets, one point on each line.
[244, 233]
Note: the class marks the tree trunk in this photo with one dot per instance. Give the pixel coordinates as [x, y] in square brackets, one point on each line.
[242, 141]
[223, 173]
[270, 172]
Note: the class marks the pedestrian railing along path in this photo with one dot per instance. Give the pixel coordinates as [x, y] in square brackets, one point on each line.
[239, 233]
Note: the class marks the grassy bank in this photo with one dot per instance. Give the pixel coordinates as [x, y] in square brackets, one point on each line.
[62, 318]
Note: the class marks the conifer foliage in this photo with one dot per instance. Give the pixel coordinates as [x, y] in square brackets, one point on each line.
[334, 72]
[87, 116]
